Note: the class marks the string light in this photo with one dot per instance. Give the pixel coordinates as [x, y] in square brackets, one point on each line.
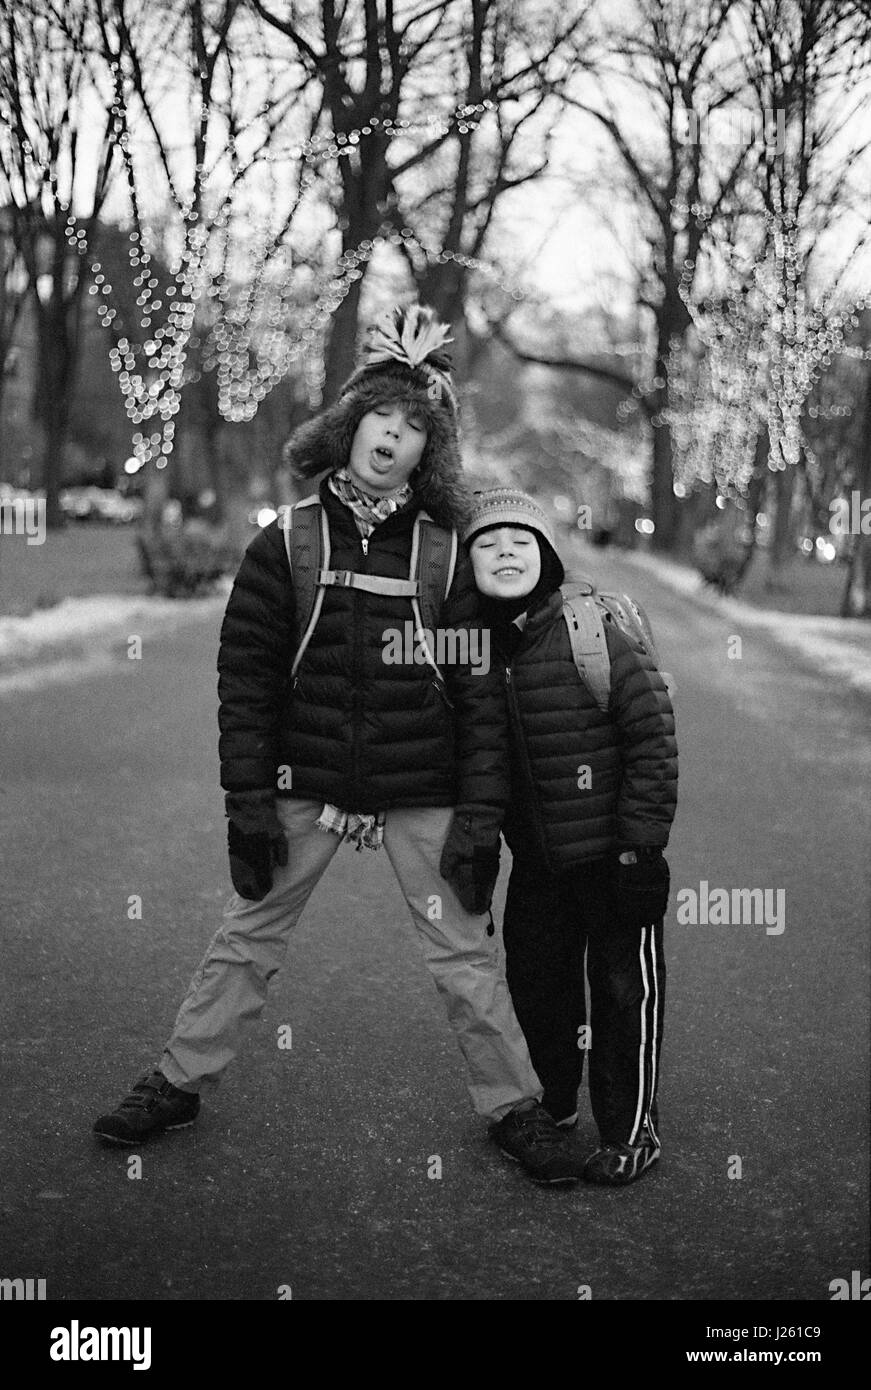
[247, 343]
[763, 346]
[340, 146]
[246, 375]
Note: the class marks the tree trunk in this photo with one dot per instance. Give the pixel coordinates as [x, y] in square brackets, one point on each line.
[340, 356]
[691, 514]
[856, 599]
[662, 498]
[52, 408]
[217, 476]
[155, 499]
[663, 501]
[211, 428]
[442, 286]
[57, 335]
[52, 464]
[782, 488]
[364, 192]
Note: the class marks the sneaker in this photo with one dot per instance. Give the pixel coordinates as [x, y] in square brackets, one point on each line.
[615, 1165]
[153, 1105]
[531, 1138]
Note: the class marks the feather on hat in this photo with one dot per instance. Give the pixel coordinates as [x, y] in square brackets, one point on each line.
[413, 338]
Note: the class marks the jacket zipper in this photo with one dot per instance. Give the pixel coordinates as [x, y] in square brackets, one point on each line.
[514, 711]
[357, 701]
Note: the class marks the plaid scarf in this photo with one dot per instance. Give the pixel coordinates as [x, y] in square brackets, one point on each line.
[362, 830]
[368, 511]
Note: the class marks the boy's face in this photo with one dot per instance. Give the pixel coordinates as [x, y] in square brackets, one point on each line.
[506, 561]
[387, 447]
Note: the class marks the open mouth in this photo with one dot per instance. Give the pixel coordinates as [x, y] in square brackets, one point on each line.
[507, 571]
[383, 454]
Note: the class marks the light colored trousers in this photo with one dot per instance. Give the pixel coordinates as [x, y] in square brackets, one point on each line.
[230, 986]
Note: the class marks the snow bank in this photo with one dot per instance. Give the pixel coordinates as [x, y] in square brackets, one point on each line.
[836, 647]
[74, 638]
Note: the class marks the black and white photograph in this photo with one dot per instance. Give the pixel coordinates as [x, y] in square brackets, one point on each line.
[435, 670]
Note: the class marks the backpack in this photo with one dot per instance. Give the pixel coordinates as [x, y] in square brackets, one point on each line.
[586, 611]
[430, 573]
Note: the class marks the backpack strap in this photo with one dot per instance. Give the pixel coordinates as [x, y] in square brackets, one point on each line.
[432, 564]
[371, 583]
[430, 573]
[307, 542]
[583, 617]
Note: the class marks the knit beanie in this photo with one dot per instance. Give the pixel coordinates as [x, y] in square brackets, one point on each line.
[506, 506]
[405, 359]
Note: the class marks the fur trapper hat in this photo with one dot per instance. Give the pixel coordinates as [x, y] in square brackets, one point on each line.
[405, 359]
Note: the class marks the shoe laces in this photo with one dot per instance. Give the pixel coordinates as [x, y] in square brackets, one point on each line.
[540, 1129]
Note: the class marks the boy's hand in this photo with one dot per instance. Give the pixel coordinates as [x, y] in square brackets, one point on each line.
[256, 841]
[642, 886]
[470, 858]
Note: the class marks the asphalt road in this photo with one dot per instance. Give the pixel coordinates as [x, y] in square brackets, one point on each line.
[309, 1168]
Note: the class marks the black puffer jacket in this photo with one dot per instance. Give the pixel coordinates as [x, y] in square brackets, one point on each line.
[356, 732]
[557, 730]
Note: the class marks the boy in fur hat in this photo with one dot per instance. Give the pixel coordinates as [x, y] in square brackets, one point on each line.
[377, 753]
[588, 872]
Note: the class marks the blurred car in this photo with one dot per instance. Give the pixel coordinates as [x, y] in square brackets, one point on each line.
[100, 504]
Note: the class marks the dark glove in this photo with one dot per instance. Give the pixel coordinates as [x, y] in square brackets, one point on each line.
[641, 888]
[470, 858]
[256, 841]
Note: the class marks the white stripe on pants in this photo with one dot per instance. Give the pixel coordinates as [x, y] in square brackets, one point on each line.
[230, 986]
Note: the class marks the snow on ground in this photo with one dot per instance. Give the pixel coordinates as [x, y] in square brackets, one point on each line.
[837, 647]
[75, 638]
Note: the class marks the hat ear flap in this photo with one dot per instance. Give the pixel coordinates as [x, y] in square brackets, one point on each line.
[323, 443]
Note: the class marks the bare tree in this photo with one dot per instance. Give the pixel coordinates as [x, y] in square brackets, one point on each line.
[466, 82]
[214, 179]
[650, 84]
[56, 154]
[516, 62]
[804, 61]
[360, 58]
[786, 311]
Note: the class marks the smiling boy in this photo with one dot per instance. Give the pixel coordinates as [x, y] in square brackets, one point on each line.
[592, 800]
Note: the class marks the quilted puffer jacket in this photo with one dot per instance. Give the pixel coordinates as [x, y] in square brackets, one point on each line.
[354, 731]
[560, 813]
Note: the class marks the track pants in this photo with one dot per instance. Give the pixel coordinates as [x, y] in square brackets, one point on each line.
[550, 923]
[230, 986]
